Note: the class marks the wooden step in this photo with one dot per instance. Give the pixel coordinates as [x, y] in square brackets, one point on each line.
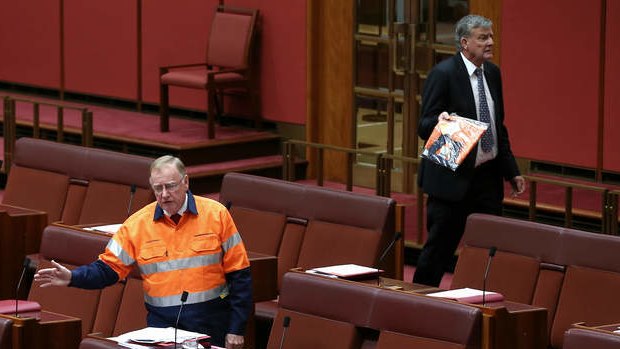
[207, 178]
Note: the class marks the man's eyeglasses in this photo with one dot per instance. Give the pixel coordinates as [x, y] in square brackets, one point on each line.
[170, 187]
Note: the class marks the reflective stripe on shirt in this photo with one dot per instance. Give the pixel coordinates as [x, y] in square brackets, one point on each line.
[180, 264]
[232, 241]
[198, 297]
[118, 251]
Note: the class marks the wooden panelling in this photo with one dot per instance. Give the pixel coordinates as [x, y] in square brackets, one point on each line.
[551, 79]
[282, 47]
[491, 9]
[611, 159]
[101, 45]
[330, 74]
[30, 42]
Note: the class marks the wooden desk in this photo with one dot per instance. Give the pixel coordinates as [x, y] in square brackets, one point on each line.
[505, 325]
[20, 233]
[45, 330]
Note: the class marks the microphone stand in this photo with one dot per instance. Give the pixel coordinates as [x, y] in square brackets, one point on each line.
[132, 192]
[492, 251]
[285, 325]
[396, 237]
[176, 325]
[19, 283]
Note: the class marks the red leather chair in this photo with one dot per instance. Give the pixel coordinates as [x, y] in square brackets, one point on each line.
[6, 330]
[227, 67]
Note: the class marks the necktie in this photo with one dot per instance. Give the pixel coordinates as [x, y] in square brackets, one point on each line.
[176, 218]
[486, 141]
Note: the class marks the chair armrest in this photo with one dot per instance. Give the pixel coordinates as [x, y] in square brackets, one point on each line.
[165, 69]
[211, 75]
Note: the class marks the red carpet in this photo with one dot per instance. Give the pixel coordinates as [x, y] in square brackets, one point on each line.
[140, 126]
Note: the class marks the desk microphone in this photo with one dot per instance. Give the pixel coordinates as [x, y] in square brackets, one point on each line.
[285, 325]
[132, 192]
[492, 251]
[19, 283]
[176, 325]
[396, 237]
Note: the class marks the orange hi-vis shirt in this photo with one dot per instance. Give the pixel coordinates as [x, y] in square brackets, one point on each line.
[193, 256]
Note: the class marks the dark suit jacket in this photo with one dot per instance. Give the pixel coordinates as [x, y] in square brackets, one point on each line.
[448, 88]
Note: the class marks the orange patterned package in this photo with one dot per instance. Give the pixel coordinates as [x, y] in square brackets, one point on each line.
[451, 140]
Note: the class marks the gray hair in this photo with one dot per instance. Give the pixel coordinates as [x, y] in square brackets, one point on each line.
[168, 160]
[466, 24]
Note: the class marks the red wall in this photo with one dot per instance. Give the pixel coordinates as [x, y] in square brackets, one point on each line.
[30, 42]
[611, 145]
[101, 48]
[550, 64]
[283, 57]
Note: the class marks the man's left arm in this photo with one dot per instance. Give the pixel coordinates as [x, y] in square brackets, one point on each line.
[240, 288]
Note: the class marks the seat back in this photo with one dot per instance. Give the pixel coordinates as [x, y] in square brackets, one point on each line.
[524, 268]
[406, 318]
[6, 331]
[577, 338]
[97, 343]
[77, 185]
[72, 248]
[330, 313]
[230, 38]
[308, 226]
[590, 289]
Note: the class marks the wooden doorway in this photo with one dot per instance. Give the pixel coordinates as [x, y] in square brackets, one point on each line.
[396, 42]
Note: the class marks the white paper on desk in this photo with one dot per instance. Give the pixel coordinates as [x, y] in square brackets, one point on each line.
[159, 335]
[347, 270]
[470, 295]
[109, 228]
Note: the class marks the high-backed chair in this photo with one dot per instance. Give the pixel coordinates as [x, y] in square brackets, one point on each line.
[6, 331]
[228, 65]
[577, 338]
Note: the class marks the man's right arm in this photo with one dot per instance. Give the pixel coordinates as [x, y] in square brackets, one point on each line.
[92, 276]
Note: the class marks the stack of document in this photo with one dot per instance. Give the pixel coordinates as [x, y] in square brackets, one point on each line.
[156, 337]
[108, 229]
[469, 295]
[346, 271]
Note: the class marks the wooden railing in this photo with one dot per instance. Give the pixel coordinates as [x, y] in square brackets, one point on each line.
[384, 166]
[608, 213]
[10, 124]
[290, 149]
[609, 197]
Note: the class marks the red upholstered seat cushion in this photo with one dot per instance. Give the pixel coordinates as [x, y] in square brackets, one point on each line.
[70, 301]
[589, 296]
[310, 332]
[132, 312]
[329, 244]
[390, 340]
[228, 40]
[261, 230]
[581, 338]
[510, 274]
[6, 331]
[196, 78]
[107, 203]
[37, 190]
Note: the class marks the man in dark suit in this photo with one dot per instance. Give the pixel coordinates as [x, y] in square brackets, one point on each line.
[469, 86]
